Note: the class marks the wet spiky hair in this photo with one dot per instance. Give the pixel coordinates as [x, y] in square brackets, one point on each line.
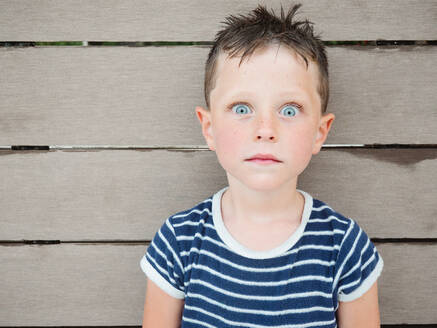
[242, 35]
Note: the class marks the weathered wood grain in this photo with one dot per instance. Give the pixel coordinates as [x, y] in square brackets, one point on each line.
[97, 285]
[118, 20]
[71, 285]
[128, 194]
[147, 96]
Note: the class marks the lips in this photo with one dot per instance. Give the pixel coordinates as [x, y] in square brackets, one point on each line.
[263, 158]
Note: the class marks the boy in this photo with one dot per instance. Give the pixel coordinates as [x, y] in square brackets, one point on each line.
[261, 253]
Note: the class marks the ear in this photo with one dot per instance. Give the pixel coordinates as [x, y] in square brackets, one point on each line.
[204, 117]
[322, 132]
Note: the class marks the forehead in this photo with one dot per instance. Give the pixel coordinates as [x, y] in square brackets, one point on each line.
[269, 71]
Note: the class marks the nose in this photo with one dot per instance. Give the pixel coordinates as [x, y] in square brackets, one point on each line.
[266, 129]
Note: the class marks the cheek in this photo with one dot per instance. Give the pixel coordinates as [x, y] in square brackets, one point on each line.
[302, 141]
[228, 141]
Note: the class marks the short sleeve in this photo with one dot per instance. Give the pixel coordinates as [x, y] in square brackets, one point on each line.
[358, 264]
[161, 262]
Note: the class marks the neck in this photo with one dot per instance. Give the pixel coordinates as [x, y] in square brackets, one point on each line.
[260, 207]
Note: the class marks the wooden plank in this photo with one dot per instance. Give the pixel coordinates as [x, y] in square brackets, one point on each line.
[128, 194]
[71, 285]
[113, 20]
[409, 274]
[97, 285]
[147, 96]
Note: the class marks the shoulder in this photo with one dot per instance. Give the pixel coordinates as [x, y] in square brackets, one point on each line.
[357, 262]
[186, 221]
[325, 216]
[351, 239]
[179, 230]
[343, 229]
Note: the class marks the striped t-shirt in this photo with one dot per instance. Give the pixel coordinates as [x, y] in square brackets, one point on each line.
[329, 258]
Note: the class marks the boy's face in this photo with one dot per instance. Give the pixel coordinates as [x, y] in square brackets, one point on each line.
[269, 106]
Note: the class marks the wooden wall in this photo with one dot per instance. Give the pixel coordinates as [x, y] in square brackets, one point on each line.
[120, 141]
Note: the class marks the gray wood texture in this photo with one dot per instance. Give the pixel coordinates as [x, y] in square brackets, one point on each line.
[147, 95]
[128, 194]
[93, 285]
[119, 20]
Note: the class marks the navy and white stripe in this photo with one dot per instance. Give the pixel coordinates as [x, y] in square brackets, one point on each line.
[329, 258]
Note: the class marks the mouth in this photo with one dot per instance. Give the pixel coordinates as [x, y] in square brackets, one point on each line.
[263, 159]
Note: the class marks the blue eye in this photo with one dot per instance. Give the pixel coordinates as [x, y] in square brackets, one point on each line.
[289, 110]
[241, 109]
